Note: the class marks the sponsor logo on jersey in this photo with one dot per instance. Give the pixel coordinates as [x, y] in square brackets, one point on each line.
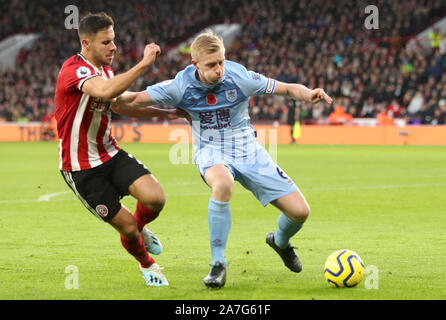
[97, 105]
[83, 71]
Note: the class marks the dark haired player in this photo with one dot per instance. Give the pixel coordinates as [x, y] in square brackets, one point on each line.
[91, 162]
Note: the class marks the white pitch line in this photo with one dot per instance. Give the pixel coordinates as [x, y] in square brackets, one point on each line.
[49, 197]
[395, 186]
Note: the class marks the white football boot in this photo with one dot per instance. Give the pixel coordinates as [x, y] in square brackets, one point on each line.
[153, 276]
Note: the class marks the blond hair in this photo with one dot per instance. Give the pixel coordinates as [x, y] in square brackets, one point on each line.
[207, 42]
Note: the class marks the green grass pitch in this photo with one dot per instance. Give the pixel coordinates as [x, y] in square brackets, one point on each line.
[387, 203]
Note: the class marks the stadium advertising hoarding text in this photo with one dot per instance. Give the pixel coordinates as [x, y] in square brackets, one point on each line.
[266, 134]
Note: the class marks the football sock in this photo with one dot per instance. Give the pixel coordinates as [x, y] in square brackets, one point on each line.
[286, 228]
[137, 249]
[143, 215]
[219, 218]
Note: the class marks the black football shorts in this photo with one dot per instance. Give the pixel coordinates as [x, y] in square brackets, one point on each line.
[101, 188]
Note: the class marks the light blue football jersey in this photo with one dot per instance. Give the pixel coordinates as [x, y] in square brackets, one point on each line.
[221, 128]
[219, 112]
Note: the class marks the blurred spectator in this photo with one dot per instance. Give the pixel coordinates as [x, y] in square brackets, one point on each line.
[305, 113]
[383, 117]
[317, 112]
[368, 109]
[440, 114]
[416, 103]
[393, 109]
[439, 117]
[426, 113]
[292, 118]
[435, 36]
[339, 116]
[328, 49]
[434, 70]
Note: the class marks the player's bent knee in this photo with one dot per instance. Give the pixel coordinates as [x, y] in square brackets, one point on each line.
[158, 202]
[306, 212]
[129, 231]
[125, 223]
[223, 188]
[300, 214]
[154, 201]
[130, 234]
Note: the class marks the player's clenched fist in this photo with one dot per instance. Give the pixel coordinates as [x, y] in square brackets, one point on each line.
[151, 51]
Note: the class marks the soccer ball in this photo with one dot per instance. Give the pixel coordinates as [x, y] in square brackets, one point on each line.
[344, 268]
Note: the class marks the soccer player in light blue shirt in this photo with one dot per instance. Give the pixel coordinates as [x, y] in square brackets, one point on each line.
[213, 94]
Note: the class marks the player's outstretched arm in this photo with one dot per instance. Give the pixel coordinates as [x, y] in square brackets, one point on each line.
[137, 105]
[133, 100]
[301, 92]
[109, 89]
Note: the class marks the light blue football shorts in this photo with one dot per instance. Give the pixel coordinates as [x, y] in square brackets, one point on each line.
[255, 170]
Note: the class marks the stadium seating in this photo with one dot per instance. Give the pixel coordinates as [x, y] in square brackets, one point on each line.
[364, 70]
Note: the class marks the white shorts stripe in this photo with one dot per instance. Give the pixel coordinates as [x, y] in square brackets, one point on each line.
[70, 181]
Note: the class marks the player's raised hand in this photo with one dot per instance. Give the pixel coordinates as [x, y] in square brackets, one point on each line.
[151, 51]
[319, 94]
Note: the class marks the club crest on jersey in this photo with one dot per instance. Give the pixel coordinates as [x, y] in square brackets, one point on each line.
[211, 99]
[102, 210]
[83, 71]
[231, 95]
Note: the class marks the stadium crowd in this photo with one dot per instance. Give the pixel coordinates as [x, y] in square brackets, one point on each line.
[367, 72]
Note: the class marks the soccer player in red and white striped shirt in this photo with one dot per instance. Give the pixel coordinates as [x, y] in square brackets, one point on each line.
[90, 160]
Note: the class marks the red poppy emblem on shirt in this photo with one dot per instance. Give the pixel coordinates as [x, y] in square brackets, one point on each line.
[211, 99]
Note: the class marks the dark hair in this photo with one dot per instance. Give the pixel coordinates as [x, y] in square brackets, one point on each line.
[91, 23]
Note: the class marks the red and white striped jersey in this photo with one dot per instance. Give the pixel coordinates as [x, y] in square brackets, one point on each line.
[83, 122]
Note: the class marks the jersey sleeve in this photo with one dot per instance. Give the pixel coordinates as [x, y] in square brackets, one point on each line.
[166, 92]
[252, 83]
[75, 75]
